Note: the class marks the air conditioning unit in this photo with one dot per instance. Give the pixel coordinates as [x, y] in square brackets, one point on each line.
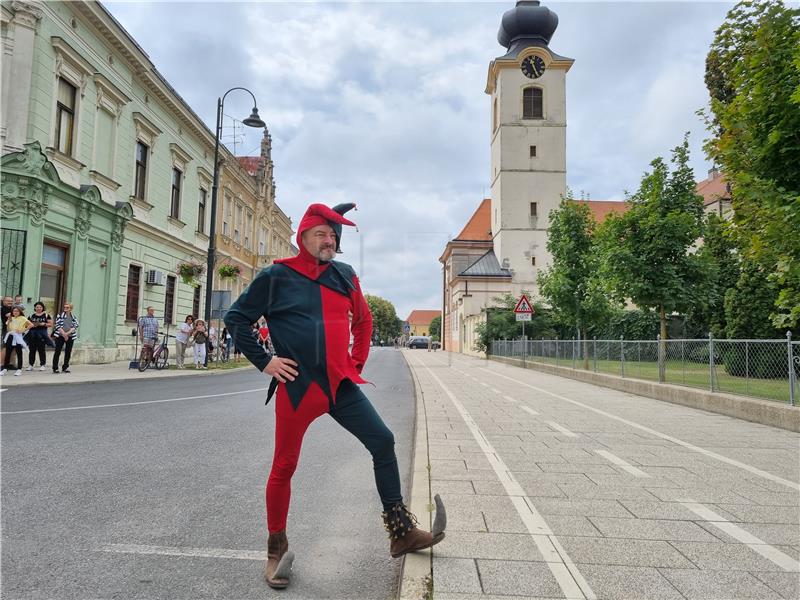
[154, 277]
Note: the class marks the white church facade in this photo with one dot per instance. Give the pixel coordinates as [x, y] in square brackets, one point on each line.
[504, 244]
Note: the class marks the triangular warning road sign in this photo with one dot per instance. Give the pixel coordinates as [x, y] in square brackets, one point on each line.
[523, 306]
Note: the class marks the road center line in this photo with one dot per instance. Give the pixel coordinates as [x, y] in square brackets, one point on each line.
[529, 410]
[177, 551]
[787, 563]
[561, 566]
[40, 410]
[791, 484]
[510, 399]
[622, 463]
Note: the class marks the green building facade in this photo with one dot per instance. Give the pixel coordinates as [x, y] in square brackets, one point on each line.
[105, 171]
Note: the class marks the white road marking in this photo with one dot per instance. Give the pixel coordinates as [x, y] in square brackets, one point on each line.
[510, 399]
[563, 430]
[177, 551]
[622, 463]
[570, 580]
[3, 389]
[791, 484]
[484, 384]
[529, 410]
[787, 563]
[39, 410]
[496, 391]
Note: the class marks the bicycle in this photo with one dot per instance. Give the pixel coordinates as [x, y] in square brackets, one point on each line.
[157, 356]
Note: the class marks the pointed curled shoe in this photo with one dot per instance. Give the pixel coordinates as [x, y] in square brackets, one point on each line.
[278, 569]
[404, 534]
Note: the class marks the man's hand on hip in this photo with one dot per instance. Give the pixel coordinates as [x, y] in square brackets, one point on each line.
[281, 369]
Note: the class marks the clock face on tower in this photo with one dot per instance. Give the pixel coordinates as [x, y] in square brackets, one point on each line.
[533, 67]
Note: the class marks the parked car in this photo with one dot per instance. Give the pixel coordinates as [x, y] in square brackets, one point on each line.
[418, 341]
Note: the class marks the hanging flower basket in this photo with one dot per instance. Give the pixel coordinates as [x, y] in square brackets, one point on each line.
[228, 270]
[190, 272]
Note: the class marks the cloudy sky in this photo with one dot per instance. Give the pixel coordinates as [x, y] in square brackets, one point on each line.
[382, 104]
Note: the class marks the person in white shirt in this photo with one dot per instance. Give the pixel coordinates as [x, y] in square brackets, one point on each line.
[182, 339]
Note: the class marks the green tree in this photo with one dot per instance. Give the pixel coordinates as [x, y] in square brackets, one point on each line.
[385, 323]
[647, 251]
[753, 78]
[571, 284]
[720, 251]
[501, 323]
[435, 328]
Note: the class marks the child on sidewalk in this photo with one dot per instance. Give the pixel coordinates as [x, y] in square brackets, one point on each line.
[200, 339]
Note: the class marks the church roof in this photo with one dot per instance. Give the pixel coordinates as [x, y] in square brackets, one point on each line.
[602, 208]
[486, 266]
[479, 226]
[714, 188]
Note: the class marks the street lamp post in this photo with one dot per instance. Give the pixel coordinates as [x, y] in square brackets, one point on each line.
[252, 121]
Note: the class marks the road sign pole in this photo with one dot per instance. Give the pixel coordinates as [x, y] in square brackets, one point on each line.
[524, 345]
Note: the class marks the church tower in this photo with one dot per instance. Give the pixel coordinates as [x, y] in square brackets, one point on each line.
[527, 86]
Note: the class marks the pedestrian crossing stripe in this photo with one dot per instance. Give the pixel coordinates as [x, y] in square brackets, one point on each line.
[523, 306]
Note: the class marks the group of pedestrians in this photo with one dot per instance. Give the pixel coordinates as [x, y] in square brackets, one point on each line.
[34, 334]
[202, 339]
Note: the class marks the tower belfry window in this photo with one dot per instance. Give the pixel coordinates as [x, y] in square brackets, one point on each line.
[532, 103]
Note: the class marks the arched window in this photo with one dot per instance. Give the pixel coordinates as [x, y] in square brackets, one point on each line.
[532, 103]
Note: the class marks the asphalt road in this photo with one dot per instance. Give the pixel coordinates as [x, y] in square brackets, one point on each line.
[107, 493]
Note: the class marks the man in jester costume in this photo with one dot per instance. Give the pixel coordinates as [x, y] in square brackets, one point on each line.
[308, 301]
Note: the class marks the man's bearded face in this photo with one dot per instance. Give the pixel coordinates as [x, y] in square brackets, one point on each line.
[320, 241]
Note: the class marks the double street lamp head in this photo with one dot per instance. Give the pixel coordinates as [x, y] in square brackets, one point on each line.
[254, 120]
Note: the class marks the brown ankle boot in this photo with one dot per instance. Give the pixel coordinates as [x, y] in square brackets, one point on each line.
[277, 546]
[404, 534]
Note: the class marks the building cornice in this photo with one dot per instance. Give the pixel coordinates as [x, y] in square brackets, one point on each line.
[550, 61]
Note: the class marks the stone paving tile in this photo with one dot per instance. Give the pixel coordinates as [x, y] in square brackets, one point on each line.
[463, 518]
[504, 546]
[768, 498]
[458, 575]
[589, 490]
[489, 487]
[769, 533]
[571, 525]
[652, 529]
[702, 495]
[628, 583]
[724, 557]
[599, 508]
[538, 489]
[446, 596]
[668, 510]
[718, 585]
[447, 487]
[548, 467]
[517, 577]
[641, 553]
[626, 480]
[503, 520]
[545, 478]
[786, 584]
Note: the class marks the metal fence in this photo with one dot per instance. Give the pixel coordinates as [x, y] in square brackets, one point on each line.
[768, 369]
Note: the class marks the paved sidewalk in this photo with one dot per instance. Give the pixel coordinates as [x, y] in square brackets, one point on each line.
[556, 488]
[86, 373]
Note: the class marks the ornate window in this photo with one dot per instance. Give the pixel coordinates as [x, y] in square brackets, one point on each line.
[65, 117]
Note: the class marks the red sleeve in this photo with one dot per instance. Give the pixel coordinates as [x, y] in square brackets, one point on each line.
[361, 326]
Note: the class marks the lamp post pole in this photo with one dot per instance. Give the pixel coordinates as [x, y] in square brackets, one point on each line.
[252, 121]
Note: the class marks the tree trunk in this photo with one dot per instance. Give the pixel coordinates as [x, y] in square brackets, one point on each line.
[585, 350]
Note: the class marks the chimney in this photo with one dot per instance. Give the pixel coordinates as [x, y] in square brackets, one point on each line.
[713, 173]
